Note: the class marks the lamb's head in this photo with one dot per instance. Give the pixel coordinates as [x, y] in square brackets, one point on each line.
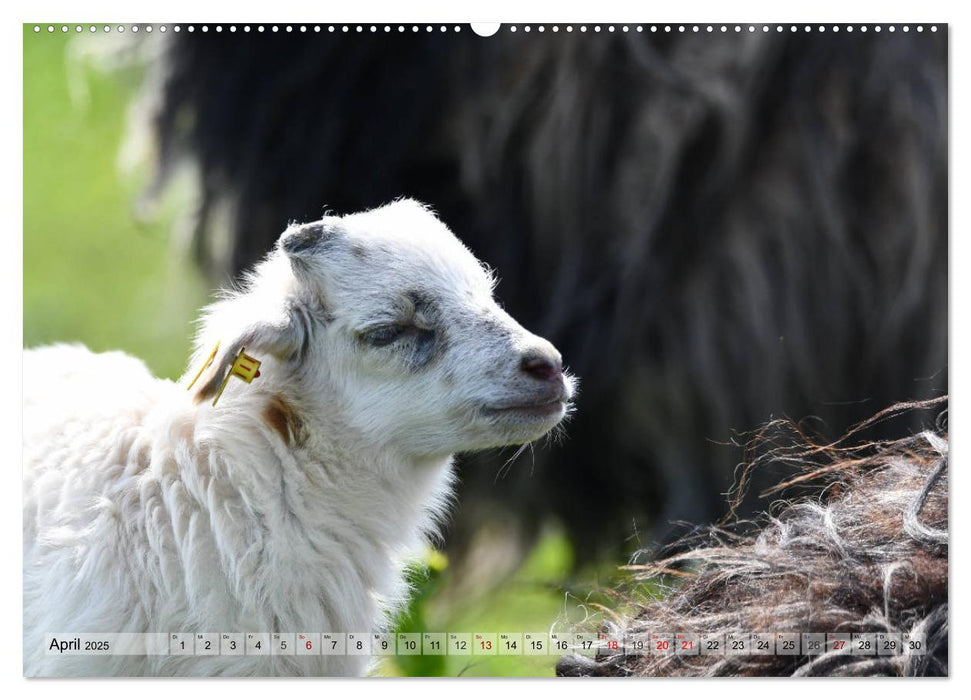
[391, 320]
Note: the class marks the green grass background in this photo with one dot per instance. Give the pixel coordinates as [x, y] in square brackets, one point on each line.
[92, 272]
[96, 274]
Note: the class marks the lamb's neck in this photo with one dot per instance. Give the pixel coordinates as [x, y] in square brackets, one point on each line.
[381, 499]
[334, 523]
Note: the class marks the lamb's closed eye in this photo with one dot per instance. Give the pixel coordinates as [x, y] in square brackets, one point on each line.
[380, 336]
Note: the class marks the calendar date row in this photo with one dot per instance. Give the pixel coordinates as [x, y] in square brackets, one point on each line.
[485, 644]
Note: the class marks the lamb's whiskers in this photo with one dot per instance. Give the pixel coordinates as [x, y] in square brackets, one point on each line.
[507, 465]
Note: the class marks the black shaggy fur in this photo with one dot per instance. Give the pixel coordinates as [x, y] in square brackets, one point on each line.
[714, 229]
[868, 555]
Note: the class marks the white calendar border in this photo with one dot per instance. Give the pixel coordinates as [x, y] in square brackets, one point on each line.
[439, 10]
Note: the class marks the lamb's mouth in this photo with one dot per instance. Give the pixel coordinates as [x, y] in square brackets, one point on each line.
[536, 410]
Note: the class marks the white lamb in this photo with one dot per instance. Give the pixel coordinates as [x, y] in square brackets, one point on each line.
[293, 504]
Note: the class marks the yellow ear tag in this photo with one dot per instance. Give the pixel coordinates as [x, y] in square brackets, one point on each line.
[245, 367]
[208, 362]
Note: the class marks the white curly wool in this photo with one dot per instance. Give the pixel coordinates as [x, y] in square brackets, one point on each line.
[293, 504]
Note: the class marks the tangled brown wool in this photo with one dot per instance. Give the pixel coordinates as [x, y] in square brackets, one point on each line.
[867, 554]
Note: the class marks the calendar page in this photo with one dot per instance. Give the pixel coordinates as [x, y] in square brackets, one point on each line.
[517, 349]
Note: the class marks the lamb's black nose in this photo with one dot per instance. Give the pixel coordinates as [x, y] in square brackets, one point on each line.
[542, 366]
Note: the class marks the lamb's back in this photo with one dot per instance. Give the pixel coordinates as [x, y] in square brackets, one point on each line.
[68, 385]
[81, 410]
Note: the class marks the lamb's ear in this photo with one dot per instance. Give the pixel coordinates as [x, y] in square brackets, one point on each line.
[287, 337]
[283, 340]
[303, 242]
